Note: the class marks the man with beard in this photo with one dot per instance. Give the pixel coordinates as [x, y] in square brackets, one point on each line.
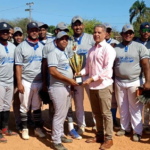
[7, 50]
[80, 43]
[131, 59]
[28, 61]
[144, 39]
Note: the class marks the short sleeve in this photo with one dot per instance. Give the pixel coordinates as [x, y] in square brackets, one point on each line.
[18, 56]
[144, 53]
[52, 59]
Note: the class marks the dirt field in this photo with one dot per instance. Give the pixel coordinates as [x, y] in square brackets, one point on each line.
[34, 143]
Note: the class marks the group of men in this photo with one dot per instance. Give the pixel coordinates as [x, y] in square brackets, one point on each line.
[111, 72]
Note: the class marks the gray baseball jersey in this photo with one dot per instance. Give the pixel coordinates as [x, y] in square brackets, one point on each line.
[127, 64]
[147, 44]
[7, 63]
[112, 41]
[30, 59]
[58, 58]
[83, 45]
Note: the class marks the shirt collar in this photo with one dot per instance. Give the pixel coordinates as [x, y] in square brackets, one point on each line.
[101, 43]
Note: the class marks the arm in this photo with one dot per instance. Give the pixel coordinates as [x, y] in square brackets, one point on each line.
[53, 71]
[18, 77]
[146, 70]
[44, 74]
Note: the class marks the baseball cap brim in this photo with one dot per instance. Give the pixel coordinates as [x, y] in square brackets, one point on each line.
[44, 26]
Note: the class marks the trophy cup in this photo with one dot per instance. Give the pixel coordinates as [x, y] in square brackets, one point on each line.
[76, 63]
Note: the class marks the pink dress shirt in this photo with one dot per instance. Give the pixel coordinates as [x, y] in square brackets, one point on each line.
[99, 65]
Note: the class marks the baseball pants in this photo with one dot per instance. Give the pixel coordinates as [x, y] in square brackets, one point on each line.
[61, 100]
[16, 108]
[130, 109]
[78, 100]
[30, 96]
[6, 96]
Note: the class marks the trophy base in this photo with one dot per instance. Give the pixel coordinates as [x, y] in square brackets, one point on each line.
[79, 80]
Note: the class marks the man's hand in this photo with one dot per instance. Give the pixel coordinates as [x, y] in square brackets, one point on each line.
[77, 74]
[21, 89]
[88, 81]
[73, 82]
[146, 86]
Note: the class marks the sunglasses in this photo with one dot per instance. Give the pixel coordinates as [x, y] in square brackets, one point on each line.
[146, 30]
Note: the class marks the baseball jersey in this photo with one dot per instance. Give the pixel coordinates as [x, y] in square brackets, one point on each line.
[59, 59]
[112, 41]
[127, 64]
[30, 58]
[147, 44]
[7, 63]
[47, 40]
[83, 45]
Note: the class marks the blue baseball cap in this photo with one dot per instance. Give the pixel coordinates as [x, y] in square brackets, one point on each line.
[142, 26]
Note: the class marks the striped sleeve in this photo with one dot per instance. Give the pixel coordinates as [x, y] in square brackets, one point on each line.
[52, 59]
[18, 56]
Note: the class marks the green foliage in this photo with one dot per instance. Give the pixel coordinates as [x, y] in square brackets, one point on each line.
[51, 29]
[139, 13]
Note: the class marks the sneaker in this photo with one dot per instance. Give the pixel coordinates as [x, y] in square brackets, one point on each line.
[2, 139]
[81, 130]
[65, 140]
[74, 134]
[59, 147]
[38, 132]
[116, 125]
[8, 132]
[25, 134]
[136, 137]
[146, 130]
[122, 132]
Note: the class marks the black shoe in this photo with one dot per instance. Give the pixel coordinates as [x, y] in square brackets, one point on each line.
[65, 140]
[59, 147]
[116, 125]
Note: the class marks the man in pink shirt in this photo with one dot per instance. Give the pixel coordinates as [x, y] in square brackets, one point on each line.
[99, 67]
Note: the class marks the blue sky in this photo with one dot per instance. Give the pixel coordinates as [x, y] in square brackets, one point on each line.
[115, 12]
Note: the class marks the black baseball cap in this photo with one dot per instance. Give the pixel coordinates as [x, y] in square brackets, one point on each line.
[142, 26]
[32, 25]
[4, 26]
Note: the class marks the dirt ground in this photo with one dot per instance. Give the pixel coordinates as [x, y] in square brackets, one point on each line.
[34, 143]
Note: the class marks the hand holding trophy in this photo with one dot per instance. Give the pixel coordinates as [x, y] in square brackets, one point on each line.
[76, 63]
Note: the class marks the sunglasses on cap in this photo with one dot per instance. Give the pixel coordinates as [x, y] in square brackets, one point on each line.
[144, 30]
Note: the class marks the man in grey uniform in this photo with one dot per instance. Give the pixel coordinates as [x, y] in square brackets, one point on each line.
[131, 59]
[81, 43]
[50, 45]
[7, 50]
[61, 78]
[144, 39]
[113, 43]
[108, 38]
[28, 58]
[43, 32]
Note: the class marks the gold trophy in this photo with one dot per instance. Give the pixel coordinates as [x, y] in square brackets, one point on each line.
[76, 63]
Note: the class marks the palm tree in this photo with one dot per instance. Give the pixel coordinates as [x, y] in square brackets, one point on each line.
[138, 10]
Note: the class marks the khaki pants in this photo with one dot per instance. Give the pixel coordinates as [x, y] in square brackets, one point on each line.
[101, 105]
